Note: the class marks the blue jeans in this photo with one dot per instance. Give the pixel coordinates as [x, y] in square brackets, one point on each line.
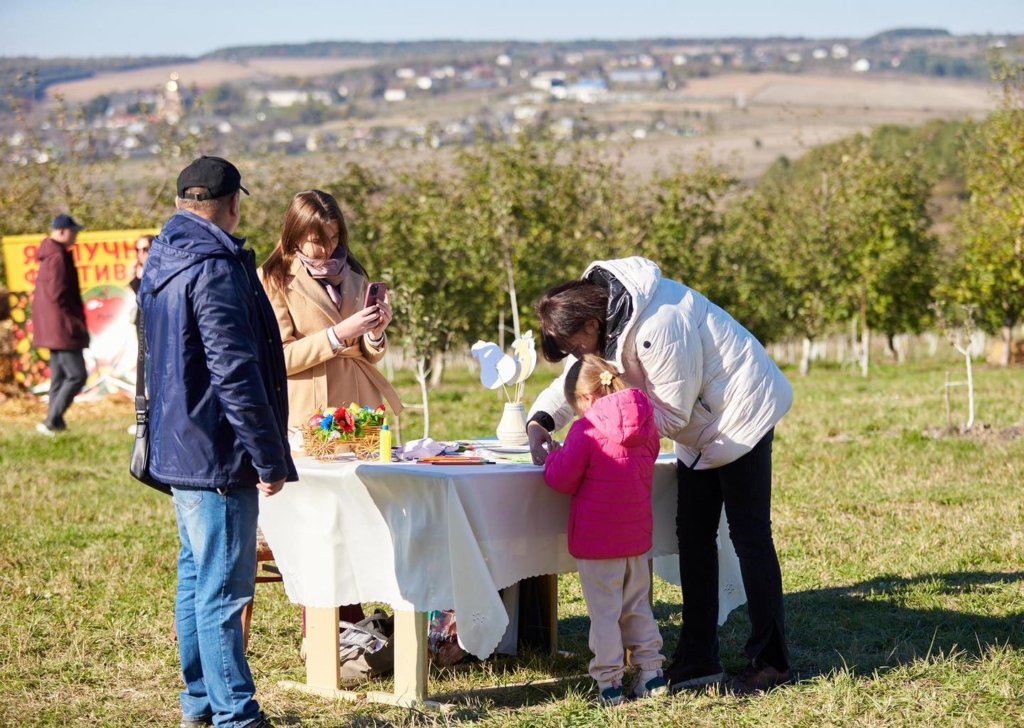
[216, 579]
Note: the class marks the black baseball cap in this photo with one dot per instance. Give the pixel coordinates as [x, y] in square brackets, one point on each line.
[217, 175]
[65, 222]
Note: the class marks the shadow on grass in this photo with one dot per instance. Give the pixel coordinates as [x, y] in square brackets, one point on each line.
[883, 622]
[892, 620]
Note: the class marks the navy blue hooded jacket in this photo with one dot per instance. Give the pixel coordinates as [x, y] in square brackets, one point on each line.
[218, 396]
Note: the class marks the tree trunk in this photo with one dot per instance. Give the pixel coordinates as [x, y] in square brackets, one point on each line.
[805, 358]
[512, 294]
[395, 423]
[902, 345]
[854, 351]
[890, 347]
[421, 376]
[437, 365]
[865, 354]
[1008, 345]
[501, 328]
[970, 391]
[949, 406]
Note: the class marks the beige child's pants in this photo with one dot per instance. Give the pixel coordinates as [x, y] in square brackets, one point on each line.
[616, 592]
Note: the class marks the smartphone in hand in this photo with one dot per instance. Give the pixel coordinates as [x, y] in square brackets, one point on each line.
[375, 292]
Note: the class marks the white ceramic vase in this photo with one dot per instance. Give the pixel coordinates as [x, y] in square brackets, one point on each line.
[512, 428]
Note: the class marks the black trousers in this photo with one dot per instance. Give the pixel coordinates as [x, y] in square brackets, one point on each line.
[67, 377]
[744, 487]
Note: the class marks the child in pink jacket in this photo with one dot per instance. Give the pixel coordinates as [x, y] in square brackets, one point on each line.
[607, 466]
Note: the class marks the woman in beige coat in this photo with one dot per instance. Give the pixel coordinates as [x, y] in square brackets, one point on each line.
[331, 343]
[317, 289]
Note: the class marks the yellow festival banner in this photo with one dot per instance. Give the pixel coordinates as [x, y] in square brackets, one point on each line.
[103, 257]
[105, 261]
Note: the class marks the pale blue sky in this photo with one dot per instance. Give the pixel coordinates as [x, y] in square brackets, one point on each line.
[48, 28]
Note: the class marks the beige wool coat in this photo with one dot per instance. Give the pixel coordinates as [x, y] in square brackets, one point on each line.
[317, 376]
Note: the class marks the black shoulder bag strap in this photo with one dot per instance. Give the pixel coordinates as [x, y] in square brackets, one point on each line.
[139, 466]
[141, 403]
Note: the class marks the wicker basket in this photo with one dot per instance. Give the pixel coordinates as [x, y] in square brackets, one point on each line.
[365, 448]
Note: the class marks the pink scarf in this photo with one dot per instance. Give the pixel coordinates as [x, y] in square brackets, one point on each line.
[328, 273]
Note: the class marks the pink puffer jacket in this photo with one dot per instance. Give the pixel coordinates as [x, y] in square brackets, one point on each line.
[607, 465]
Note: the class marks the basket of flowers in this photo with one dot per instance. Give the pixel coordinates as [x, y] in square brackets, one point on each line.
[336, 430]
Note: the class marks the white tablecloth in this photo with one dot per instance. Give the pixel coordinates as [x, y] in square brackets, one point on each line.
[423, 537]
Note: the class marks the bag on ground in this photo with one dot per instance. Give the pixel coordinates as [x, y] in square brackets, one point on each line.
[443, 638]
[366, 648]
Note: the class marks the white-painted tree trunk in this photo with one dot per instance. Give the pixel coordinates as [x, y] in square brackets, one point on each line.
[805, 357]
[965, 351]
[512, 295]
[949, 404]
[970, 392]
[421, 376]
[854, 342]
[901, 344]
[865, 350]
[437, 366]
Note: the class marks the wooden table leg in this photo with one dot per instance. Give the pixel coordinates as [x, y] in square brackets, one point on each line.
[323, 666]
[411, 664]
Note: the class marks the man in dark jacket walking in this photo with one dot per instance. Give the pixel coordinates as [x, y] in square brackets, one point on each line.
[58, 320]
[218, 429]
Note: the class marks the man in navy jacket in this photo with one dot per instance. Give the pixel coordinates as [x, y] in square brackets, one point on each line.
[218, 429]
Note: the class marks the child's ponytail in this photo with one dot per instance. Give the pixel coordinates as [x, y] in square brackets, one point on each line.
[591, 376]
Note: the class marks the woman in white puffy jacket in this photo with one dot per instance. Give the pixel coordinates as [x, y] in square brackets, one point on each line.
[718, 396]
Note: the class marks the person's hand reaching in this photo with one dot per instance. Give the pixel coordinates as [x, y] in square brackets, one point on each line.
[539, 438]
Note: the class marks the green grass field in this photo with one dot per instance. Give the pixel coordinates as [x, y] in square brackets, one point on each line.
[902, 557]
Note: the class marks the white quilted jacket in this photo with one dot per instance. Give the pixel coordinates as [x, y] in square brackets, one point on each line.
[716, 392]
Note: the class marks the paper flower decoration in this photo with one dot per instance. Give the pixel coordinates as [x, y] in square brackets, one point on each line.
[498, 369]
[334, 423]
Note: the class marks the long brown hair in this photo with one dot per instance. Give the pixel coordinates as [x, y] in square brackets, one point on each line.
[309, 216]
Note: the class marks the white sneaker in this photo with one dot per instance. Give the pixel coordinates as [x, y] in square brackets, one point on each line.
[42, 429]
